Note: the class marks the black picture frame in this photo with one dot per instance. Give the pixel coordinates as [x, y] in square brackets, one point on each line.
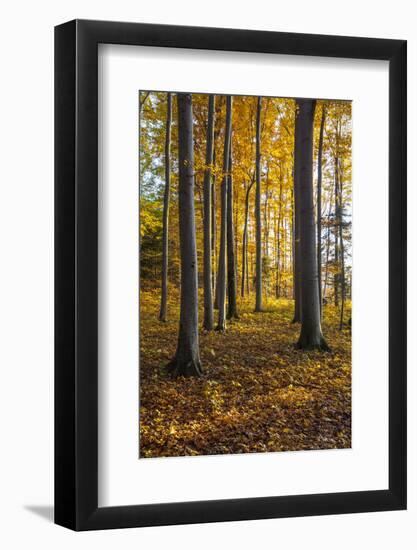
[76, 272]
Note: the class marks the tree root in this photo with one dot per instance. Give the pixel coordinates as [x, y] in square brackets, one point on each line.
[304, 344]
[232, 316]
[187, 369]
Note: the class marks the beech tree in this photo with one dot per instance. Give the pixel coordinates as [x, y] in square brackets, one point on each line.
[319, 189]
[221, 275]
[311, 336]
[278, 238]
[342, 248]
[186, 361]
[208, 218]
[258, 303]
[245, 277]
[165, 215]
[213, 219]
[231, 263]
[296, 251]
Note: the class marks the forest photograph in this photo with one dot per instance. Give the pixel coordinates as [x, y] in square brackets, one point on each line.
[245, 255]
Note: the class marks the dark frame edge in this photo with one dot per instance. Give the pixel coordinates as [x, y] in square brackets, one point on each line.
[398, 273]
[153, 515]
[65, 259]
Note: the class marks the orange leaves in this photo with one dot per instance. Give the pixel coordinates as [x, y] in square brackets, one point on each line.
[258, 394]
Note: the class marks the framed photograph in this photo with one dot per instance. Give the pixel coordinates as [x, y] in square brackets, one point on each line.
[230, 255]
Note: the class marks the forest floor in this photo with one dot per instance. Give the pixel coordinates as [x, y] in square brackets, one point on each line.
[258, 392]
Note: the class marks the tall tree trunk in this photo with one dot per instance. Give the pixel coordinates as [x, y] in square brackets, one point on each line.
[292, 241]
[208, 295]
[165, 214]
[221, 275]
[186, 361]
[311, 336]
[236, 209]
[247, 267]
[231, 258]
[319, 186]
[213, 221]
[296, 250]
[276, 249]
[245, 276]
[258, 304]
[336, 222]
[265, 259]
[284, 256]
[244, 252]
[342, 250]
[326, 271]
[278, 236]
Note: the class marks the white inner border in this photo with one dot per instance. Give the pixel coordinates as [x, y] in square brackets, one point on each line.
[123, 479]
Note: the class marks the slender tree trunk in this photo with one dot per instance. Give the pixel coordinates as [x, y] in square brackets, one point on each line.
[342, 251]
[284, 256]
[235, 203]
[311, 336]
[208, 295]
[319, 186]
[231, 258]
[213, 221]
[267, 213]
[276, 249]
[336, 223]
[244, 236]
[326, 271]
[221, 276]
[278, 244]
[247, 267]
[187, 357]
[292, 230]
[296, 251]
[245, 242]
[258, 304]
[165, 214]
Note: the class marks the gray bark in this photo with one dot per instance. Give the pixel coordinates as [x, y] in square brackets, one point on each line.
[278, 239]
[336, 221]
[245, 277]
[342, 250]
[221, 275]
[296, 248]
[187, 357]
[165, 214]
[336, 236]
[319, 186]
[213, 221]
[311, 336]
[232, 312]
[326, 270]
[258, 304]
[208, 294]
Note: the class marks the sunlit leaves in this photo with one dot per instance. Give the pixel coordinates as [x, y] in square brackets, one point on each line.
[258, 394]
